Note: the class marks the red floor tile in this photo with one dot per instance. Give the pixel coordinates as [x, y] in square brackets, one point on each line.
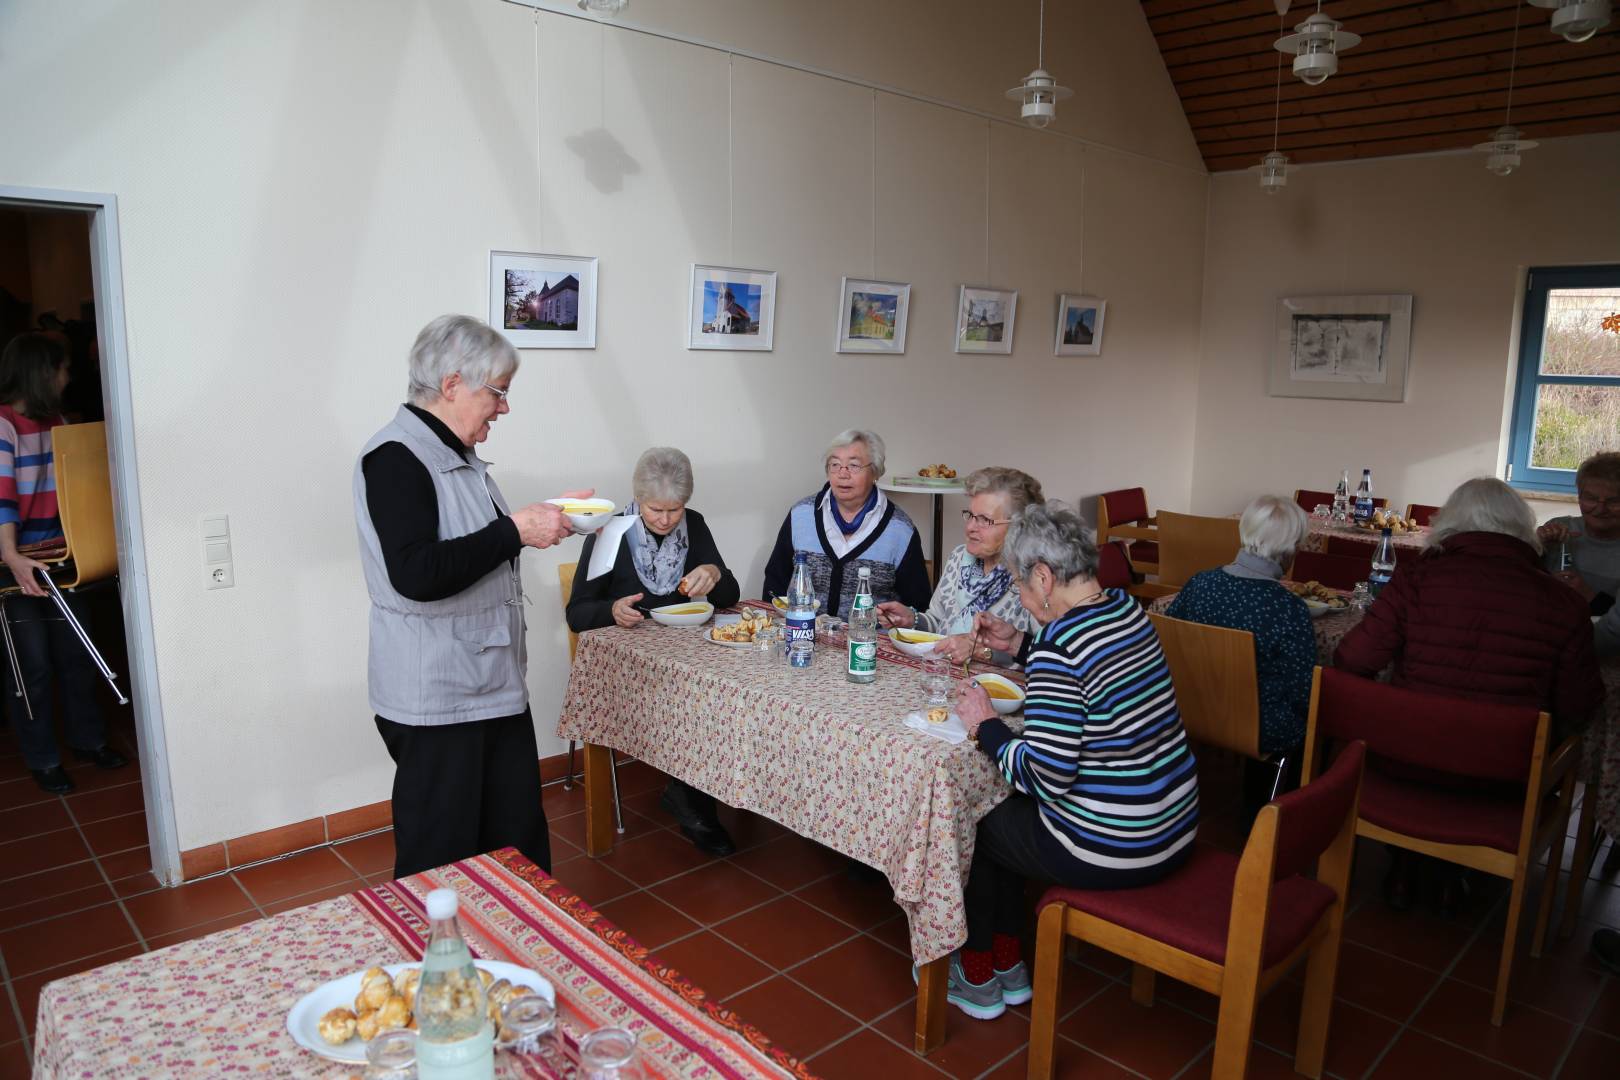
[971, 1046]
[572, 829]
[860, 976]
[1264, 1064]
[368, 854]
[790, 862]
[15, 1063]
[33, 819]
[91, 806]
[648, 919]
[1355, 1036]
[112, 835]
[1605, 1015]
[792, 1017]
[168, 910]
[560, 803]
[87, 777]
[1563, 981]
[1157, 1042]
[126, 863]
[326, 892]
[64, 939]
[1080, 985]
[28, 987]
[860, 903]
[592, 881]
[213, 926]
[784, 932]
[1380, 982]
[652, 857]
[20, 792]
[48, 883]
[1415, 936]
[1416, 1056]
[9, 1029]
[638, 776]
[1529, 1040]
[749, 830]
[44, 851]
[296, 875]
[717, 967]
[1070, 1061]
[896, 934]
[715, 892]
[49, 908]
[868, 1054]
[1593, 1057]
[136, 884]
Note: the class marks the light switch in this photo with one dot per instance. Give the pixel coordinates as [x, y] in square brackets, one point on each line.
[217, 568]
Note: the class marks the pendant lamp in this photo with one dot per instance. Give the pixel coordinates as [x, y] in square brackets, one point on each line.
[1039, 92]
[1504, 146]
[1577, 20]
[1274, 166]
[1315, 45]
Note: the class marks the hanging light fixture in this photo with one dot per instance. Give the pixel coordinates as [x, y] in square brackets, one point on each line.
[1504, 145]
[1274, 166]
[1039, 92]
[1315, 45]
[1577, 20]
[605, 8]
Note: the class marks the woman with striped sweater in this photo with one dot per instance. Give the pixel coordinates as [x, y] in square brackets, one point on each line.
[1104, 790]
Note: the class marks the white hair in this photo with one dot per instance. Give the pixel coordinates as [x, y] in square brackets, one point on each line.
[869, 439]
[1054, 534]
[1485, 504]
[1272, 528]
[663, 473]
[457, 344]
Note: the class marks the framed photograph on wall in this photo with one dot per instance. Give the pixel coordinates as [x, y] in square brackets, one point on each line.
[872, 316]
[1080, 325]
[984, 319]
[731, 308]
[1349, 347]
[543, 301]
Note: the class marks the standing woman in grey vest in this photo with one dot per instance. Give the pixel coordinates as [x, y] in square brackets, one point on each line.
[440, 551]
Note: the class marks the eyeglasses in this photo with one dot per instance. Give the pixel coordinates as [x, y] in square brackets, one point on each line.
[1590, 501]
[500, 395]
[970, 518]
[846, 468]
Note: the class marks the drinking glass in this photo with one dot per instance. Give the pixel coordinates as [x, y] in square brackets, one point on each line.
[530, 1018]
[1323, 511]
[1361, 596]
[609, 1054]
[938, 682]
[391, 1056]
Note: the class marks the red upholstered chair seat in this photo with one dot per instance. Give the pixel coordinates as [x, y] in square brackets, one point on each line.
[1444, 815]
[1192, 908]
[1144, 551]
[1113, 568]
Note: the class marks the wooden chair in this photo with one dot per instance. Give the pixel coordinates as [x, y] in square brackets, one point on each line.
[1232, 926]
[1114, 565]
[1334, 571]
[1423, 514]
[1124, 513]
[1217, 687]
[1472, 826]
[565, 578]
[1309, 500]
[1189, 543]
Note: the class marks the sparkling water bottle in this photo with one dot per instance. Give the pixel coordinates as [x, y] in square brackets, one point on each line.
[863, 631]
[1383, 565]
[456, 1040]
[1364, 497]
[801, 615]
[1341, 497]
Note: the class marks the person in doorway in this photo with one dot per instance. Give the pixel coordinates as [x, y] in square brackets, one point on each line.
[33, 373]
[447, 660]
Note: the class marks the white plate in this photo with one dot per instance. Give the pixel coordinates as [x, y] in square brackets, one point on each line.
[925, 648]
[727, 620]
[1003, 706]
[665, 616]
[587, 523]
[304, 1018]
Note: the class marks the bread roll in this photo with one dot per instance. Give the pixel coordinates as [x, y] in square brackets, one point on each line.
[337, 1026]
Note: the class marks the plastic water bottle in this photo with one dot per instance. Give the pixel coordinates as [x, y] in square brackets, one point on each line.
[1364, 497]
[863, 631]
[801, 615]
[456, 1040]
[1383, 565]
[1341, 497]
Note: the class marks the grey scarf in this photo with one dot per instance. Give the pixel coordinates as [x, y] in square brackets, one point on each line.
[659, 566]
[1252, 567]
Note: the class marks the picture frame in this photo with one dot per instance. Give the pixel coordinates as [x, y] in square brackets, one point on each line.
[872, 316]
[1079, 325]
[985, 318]
[543, 301]
[731, 308]
[1353, 348]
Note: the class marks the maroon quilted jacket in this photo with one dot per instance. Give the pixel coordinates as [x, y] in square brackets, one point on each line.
[1480, 618]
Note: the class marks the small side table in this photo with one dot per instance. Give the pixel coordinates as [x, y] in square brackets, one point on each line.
[901, 486]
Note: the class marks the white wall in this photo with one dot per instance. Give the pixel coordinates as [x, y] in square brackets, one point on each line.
[1441, 228]
[303, 185]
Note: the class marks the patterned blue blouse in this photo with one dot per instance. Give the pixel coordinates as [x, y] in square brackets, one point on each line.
[1284, 644]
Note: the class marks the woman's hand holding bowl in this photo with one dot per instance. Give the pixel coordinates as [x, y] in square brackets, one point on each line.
[892, 613]
[624, 612]
[543, 524]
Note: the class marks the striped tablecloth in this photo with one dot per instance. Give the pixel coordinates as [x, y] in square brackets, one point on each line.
[217, 1005]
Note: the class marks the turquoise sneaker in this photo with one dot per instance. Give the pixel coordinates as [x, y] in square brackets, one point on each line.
[1015, 988]
[980, 1001]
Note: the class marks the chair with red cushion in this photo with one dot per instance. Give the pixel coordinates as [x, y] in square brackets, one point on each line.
[1510, 805]
[1421, 514]
[1351, 548]
[1334, 571]
[1309, 500]
[1124, 513]
[1232, 926]
[1114, 566]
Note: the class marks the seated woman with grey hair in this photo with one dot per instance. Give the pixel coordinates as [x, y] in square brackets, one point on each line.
[849, 525]
[975, 578]
[1105, 793]
[656, 552]
[1248, 595]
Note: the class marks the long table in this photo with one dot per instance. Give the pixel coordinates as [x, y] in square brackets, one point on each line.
[217, 1005]
[827, 758]
[1316, 537]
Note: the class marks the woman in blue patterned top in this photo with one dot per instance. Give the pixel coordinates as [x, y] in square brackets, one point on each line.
[1105, 794]
[1248, 595]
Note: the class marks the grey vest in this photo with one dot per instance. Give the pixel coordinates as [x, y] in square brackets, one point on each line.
[453, 660]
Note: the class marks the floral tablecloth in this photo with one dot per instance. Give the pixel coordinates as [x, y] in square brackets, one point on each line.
[1330, 627]
[1316, 539]
[218, 1005]
[1601, 763]
[828, 758]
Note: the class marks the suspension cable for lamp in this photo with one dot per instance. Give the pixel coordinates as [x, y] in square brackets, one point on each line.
[1040, 49]
[1513, 65]
[1276, 111]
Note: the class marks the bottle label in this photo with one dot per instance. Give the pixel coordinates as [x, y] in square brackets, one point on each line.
[862, 657]
[1376, 582]
[863, 602]
[800, 629]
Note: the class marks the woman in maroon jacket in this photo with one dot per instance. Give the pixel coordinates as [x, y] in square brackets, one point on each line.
[1476, 616]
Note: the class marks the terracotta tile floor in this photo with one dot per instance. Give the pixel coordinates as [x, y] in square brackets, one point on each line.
[815, 955]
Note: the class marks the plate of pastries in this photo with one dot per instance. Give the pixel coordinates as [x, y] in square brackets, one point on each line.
[1391, 520]
[737, 632]
[1318, 597]
[338, 1018]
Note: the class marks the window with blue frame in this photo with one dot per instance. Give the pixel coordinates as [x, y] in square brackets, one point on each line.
[1567, 404]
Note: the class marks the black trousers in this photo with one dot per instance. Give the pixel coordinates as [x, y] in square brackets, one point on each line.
[463, 789]
[46, 646]
[1008, 852]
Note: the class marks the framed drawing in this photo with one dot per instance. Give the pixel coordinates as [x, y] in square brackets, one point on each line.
[731, 308]
[543, 301]
[984, 319]
[1349, 347]
[872, 316]
[1080, 325]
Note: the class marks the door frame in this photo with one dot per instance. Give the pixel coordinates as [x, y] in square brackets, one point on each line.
[107, 274]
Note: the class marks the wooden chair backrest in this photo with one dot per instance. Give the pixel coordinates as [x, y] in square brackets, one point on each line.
[565, 577]
[84, 499]
[1217, 689]
[1189, 543]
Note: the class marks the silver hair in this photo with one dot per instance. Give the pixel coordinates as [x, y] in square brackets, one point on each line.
[1272, 528]
[454, 344]
[1020, 488]
[869, 439]
[1054, 534]
[662, 473]
[1485, 504]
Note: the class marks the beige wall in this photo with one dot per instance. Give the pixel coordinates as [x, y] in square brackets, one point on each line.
[1441, 228]
[302, 185]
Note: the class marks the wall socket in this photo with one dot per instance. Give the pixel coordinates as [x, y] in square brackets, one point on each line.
[218, 569]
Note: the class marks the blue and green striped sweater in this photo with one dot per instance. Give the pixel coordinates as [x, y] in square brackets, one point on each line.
[1103, 751]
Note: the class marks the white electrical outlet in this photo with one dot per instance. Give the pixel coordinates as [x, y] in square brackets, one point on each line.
[218, 569]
